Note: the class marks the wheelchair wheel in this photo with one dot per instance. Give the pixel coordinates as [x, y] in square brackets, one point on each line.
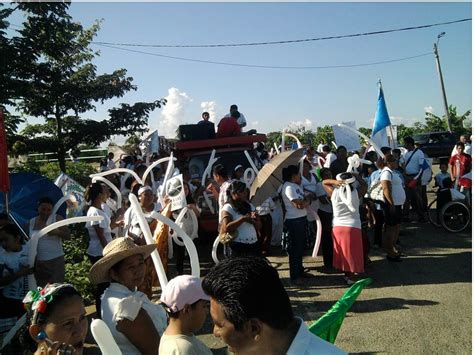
[455, 217]
[433, 214]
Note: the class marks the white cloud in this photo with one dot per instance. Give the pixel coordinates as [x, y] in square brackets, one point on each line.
[253, 124]
[397, 120]
[306, 123]
[173, 113]
[209, 106]
[429, 109]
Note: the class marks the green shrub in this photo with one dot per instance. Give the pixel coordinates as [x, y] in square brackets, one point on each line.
[77, 262]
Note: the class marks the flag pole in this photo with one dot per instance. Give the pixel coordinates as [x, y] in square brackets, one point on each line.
[392, 142]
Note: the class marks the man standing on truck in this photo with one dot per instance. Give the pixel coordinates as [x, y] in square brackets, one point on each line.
[240, 119]
[229, 126]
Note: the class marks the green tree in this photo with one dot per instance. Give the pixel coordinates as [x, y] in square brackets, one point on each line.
[63, 84]
[435, 123]
[323, 134]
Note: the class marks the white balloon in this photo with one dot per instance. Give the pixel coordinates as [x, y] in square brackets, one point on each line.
[155, 163]
[295, 138]
[249, 176]
[207, 172]
[104, 338]
[112, 186]
[119, 170]
[192, 252]
[58, 204]
[319, 227]
[168, 173]
[215, 245]
[252, 164]
[160, 270]
[178, 222]
[276, 148]
[33, 243]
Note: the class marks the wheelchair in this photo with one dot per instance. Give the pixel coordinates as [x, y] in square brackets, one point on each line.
[453, 216]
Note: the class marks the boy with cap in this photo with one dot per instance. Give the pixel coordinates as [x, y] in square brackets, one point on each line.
[187, 307]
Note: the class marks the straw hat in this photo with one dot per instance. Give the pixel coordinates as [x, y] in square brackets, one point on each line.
[117, 250]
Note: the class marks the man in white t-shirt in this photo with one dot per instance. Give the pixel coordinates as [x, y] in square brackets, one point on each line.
[413, 160]
[241, 120]
[329, 156]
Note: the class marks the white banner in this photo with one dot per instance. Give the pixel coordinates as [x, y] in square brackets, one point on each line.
[175, 191]
[345, 137]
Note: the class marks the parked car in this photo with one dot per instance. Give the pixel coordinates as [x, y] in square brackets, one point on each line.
[436, 144]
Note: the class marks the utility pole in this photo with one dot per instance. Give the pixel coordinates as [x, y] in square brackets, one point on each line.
[438, 66]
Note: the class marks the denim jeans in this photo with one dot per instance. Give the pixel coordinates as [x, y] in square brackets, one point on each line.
[297, 231]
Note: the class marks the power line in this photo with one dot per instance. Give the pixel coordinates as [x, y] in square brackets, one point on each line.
[264, 66]
[283, 42]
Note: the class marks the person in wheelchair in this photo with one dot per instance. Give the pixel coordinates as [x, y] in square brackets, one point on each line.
[446, 194]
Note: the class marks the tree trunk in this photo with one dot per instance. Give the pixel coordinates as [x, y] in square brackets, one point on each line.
[61, 150]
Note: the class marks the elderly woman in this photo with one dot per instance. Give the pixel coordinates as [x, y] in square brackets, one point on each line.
[394, 198]
[347, 233]
[240, 219]
[135, 322]
[56, 321]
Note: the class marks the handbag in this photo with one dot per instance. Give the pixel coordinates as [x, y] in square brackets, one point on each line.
[411, 182]
[375, 192]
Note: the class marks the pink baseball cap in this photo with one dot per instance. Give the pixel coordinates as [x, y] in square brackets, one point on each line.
[182, 290]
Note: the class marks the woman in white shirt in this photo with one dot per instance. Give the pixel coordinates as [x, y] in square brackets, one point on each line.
[394, 198]
[347, 234]
[134, 321]
[100, 233]
[240, 219]
[294, 204]
[309, 183]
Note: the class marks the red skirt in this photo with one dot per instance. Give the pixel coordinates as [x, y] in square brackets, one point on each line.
[348, 249]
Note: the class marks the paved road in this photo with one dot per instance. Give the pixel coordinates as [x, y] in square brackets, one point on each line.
[419, 306]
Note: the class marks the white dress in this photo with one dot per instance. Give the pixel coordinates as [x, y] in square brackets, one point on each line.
[119, 303]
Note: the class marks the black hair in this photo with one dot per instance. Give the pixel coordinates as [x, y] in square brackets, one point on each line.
[372, 156]
[460, 144]
[242, 207]
[289, 172]
[324, 172]
[233, 107]
[326, 148]
[397, 151]
[345, 176]
[235, 114]
[249, 287]
[13, 230]
[205, 113]
[41, 318]
[45, 199]
[386, 150]
[220, 170]
[409, 140]
[341, 147]
[175, 315]
[92, 191]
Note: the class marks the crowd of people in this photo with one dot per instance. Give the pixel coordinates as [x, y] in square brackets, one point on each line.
[248, 304]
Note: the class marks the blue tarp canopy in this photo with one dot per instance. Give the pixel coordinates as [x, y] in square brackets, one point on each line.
[25, 191]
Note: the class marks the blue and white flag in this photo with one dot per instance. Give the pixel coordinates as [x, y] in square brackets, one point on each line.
[381, 122]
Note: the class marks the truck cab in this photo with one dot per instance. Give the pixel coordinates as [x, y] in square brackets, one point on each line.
[230, 151]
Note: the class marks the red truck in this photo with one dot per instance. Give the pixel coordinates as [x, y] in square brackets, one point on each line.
[230, 150]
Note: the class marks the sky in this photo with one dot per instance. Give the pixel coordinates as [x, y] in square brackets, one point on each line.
[273, 99]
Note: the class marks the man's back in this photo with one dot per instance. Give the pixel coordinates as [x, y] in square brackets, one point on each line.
[228, 127]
